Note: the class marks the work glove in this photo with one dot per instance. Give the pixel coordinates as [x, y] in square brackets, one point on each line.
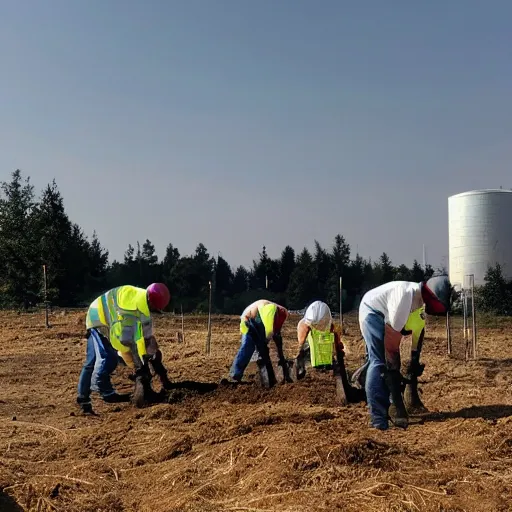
[415, 369]
[300, 364]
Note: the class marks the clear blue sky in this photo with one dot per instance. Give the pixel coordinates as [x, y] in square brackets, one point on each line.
[243, 123]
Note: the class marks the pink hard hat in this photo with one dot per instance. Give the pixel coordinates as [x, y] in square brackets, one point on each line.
[158, 296]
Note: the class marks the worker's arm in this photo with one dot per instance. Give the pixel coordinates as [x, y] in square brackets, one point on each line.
[302, 334]
[249, 314]
[336, 330]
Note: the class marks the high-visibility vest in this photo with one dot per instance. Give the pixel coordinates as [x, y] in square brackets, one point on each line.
[416, 324]
[266, 314]
[120, 308]
[321, 344]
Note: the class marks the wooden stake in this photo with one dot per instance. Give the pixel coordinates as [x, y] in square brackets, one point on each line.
[341, 304]
[46, 321]
[182, 325]
[473, 313]
[448, 335]
[209, 336]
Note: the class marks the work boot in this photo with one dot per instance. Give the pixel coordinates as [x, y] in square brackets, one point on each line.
[85, 406]
[397, 412]
[116, 398]
[230, 381]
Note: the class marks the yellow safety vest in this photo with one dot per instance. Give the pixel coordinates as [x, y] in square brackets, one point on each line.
[267, 313]
[122, 307]
[319, 341]
[416, 324]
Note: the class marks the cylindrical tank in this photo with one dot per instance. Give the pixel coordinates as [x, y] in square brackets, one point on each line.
[480, 234]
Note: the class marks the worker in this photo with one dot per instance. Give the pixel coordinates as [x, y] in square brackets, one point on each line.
[119, 325]
[383, 315]
[317, 318]
[260, 322]
[414, 326]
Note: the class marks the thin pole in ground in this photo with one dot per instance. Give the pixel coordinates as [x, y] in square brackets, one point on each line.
[341, 304]
[473, 315]
[448, 335]
[209, 336]
[182, 325]
[46, 321]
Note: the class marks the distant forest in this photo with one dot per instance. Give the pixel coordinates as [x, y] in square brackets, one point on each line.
[36, 231]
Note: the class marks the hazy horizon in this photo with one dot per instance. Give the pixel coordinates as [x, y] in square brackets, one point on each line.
[240, 124]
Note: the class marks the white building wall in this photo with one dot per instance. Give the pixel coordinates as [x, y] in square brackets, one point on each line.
[480, 234]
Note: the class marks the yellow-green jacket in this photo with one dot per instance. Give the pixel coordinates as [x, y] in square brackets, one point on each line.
[124, 313]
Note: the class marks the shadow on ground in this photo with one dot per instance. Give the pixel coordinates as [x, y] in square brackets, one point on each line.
[495, 363]
[199, 387]
[487, 412]
[8, 504]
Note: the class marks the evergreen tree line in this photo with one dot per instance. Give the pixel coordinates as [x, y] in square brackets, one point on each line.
[495, 296]
[37, 231]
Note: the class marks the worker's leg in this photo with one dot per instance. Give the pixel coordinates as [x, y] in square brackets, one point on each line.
[372, 328]
[84, 381]
[243, 356]
[106, 363]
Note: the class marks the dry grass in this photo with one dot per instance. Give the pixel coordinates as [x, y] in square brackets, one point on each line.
[288, 449]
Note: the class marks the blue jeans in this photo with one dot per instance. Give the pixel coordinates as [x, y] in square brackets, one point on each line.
[101, 360]
[251, 341]
[377, 393]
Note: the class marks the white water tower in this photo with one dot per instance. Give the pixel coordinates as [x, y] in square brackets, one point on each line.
[480, 234]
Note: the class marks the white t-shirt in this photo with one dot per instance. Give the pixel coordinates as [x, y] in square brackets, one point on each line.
[395, 300]
[318, 315]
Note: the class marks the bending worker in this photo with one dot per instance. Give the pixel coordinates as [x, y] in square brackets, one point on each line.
[119, 323]
[260, 322]
[414, 326]
[383, 314]
[317, 319]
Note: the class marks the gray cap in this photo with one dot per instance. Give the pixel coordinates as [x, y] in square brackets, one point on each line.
[441, 287]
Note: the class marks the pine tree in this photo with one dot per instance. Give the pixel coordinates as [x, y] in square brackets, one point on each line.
[323, 270]
[495, 296]
[302, 288]
[223, 279]
[286, 265]
[417, 273]
[54, 230]
[20, 273]
[240, 280]
[403, 273]
[384, 270]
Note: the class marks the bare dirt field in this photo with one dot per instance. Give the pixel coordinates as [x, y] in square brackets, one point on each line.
[292, 448]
